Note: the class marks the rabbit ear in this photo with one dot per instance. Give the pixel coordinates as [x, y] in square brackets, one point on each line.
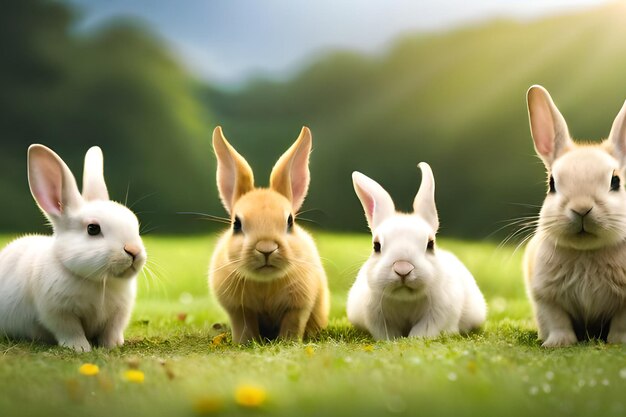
[547, 125]
[51, 182]
[376, 202]
[290, 176]
[424, 202]
[234, 175]
[94, 187]
[617, 137]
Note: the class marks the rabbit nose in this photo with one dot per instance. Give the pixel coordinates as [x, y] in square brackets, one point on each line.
[266, 247]
[581, 212]
[132, 250]
[403, 268]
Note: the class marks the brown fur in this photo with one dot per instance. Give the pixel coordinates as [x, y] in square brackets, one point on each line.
[291, 298]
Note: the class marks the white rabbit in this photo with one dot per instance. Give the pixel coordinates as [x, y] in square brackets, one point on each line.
[408, 286]
[77, 285]
[575, 265]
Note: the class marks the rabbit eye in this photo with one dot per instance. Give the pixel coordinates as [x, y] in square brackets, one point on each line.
[377, 247]
[552, 190]
[615, 183]
[237, 225]
[289, 222]
[93, 229]
[431, 245]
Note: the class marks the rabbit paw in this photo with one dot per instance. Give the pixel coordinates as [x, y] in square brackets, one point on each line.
[79, 345]
[110, 341]
[616, 337]
[425, 331]
[560, 339]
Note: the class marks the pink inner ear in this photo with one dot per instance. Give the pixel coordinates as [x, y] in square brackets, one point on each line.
[543, 133]
[48, 199]
[298, 188]
[541, 124]
[299, 175]
[47, 185]
[226, 173]
[371, 205]
[226, 178]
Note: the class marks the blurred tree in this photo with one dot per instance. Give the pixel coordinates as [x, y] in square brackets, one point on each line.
[454, 99]
[117, 88]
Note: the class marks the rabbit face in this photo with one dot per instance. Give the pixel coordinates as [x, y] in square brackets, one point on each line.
[99, 240]
[585, 208]
[95, 238]
[262, 234]
[402, 263]
[586, 204]
[264, 244]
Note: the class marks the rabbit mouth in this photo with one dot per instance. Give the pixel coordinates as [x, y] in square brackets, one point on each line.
[271, 270]
[404, 292]
[405, 288]
[129, 272]
[264, 273]
[267, 268]
[584, 233]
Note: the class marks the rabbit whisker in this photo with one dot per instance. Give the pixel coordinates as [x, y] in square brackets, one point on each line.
[205, 216]
[141, 199]
[127, 191]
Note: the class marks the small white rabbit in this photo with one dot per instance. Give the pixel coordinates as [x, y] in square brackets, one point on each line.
[77, 285]
[409, 287]
[575, 265]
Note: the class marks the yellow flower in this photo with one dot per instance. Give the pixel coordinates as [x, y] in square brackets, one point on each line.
[89, 369]
[368, 348]
[207, 405]
[250, 396]
[309, 351]
[219, 339]
[134, 375]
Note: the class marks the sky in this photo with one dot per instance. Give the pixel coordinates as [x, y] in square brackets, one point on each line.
[228, 41]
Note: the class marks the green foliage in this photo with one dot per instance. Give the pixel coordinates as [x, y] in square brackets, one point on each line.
[117, 88]
[454, 99]
[500, 370]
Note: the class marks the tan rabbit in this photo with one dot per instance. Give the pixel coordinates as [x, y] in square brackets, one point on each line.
[266, 271]
[575, 265]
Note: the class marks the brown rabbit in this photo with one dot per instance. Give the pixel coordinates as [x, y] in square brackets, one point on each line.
[266, 271]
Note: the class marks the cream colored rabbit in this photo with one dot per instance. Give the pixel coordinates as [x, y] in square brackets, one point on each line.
[575, 265]
[265, 271]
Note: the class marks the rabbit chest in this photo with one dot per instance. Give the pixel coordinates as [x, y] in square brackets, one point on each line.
[589, 285]
[93, 303]
[402, 314]
[273, 299]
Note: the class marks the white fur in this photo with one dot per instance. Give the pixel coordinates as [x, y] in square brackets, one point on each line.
[573, 276]
[438, 296]
[71, 288]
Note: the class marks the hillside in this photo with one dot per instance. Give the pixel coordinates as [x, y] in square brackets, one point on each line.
[118, 88]
[456, 100]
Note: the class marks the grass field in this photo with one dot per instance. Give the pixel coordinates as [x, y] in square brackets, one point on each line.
[189, 369]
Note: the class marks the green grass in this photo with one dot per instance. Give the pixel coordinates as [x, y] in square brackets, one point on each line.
[501, 370]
